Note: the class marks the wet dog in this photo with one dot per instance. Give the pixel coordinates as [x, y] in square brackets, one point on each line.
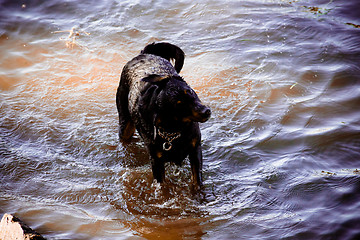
[153, 99]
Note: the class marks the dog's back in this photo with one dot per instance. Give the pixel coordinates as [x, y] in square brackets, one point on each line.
[139, 68]
[153, 60]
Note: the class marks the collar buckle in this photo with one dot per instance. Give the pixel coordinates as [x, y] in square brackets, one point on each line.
[168, 137]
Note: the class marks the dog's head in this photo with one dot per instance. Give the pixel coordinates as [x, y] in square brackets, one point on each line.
[176, 98]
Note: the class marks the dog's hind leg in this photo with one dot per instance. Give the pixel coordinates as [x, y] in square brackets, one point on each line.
[127, 127]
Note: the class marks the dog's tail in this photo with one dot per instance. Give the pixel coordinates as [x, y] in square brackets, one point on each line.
[167, 51]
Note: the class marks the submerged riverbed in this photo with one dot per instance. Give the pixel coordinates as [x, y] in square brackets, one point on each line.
[281, 150]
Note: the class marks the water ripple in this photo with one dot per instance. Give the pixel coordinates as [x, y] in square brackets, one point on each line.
[280, 151]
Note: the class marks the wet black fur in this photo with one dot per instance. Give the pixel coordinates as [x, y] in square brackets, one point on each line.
[152, 96]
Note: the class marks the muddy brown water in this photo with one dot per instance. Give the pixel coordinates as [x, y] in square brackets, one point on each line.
[281, 150]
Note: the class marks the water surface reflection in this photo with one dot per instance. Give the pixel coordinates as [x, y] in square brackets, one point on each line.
[280, 151]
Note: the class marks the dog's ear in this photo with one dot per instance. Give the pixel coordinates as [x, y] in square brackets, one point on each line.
[154, 78]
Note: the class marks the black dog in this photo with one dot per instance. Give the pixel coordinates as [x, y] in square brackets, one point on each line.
[164, 109]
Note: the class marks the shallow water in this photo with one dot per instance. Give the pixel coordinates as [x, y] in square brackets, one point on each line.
[281, 150]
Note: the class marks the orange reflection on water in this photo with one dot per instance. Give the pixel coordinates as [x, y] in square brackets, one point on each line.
[18, 60]
[226, 88]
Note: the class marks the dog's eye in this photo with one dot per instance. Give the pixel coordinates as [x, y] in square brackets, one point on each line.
[178, 102]
[189, 92]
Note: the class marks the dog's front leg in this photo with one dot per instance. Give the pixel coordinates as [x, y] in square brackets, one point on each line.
[158, 169]
[195, 157]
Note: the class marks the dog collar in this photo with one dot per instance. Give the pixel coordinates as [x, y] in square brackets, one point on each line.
[168, 137]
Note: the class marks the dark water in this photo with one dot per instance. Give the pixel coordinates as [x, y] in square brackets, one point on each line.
[281, 151]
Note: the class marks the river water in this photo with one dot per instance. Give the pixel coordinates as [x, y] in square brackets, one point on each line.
[281, 150]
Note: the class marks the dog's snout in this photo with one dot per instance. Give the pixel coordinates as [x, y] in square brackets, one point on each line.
[207, 112]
